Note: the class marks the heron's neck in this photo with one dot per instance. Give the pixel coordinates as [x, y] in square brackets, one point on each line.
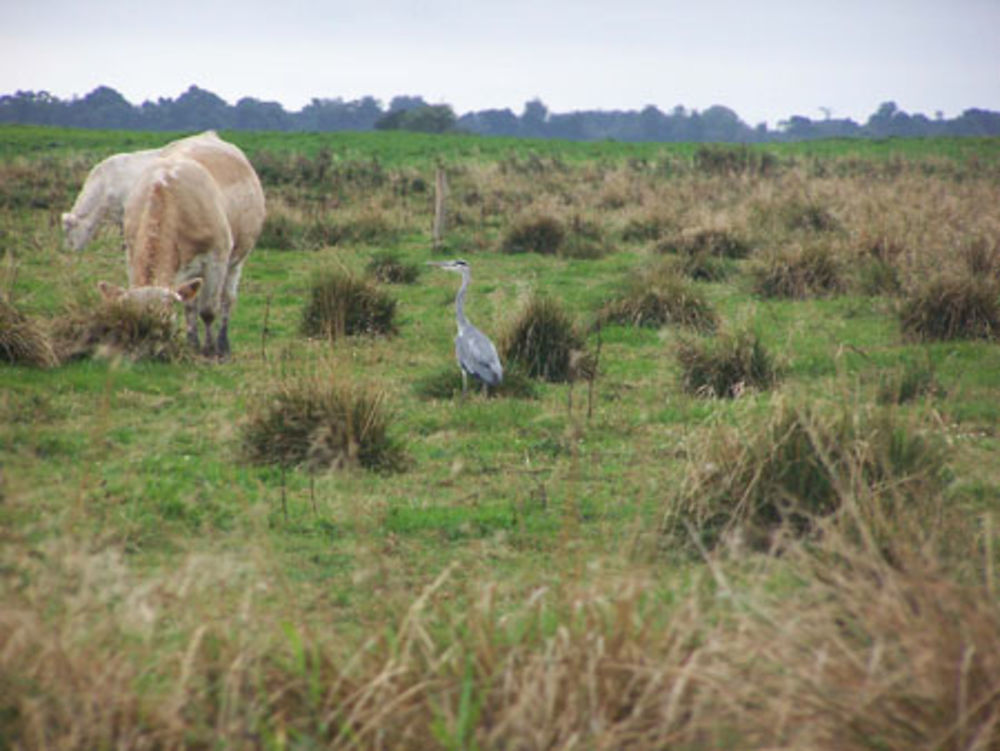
[460, 301]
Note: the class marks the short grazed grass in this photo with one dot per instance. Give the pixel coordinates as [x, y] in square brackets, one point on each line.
[541, 568]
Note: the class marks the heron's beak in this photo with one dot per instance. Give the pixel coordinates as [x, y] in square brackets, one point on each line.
[437, 263]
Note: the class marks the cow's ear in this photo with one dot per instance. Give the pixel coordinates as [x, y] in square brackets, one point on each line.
[110, 292]
[189, 290]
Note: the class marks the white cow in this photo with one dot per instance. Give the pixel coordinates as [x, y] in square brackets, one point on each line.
[103, 195]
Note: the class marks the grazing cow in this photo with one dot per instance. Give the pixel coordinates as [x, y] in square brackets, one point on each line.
[103, 195]
[178, 243]
[243, 205]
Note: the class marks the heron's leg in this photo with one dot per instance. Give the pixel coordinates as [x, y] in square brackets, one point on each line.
[465, 382]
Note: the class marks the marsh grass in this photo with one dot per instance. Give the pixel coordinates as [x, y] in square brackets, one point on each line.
[290, 227]
[727, 365]
[22, 341]
[804, 463]
[541, 340]
[910, 381]
[951, 306]
[387, 267]
[112, 329]
[316, 422]
[656, 295]
[342, 304]
[512, 588]
[714, 242]
[447, 384]
[798, 272]
[534, 233]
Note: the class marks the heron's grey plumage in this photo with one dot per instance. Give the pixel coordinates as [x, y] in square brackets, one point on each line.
[475, 352]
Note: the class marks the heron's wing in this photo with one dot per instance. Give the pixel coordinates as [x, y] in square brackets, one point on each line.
[477, 356]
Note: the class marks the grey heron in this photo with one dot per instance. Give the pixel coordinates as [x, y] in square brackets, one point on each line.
[475, 352]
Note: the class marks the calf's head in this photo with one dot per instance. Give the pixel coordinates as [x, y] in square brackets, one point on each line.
[150, 296]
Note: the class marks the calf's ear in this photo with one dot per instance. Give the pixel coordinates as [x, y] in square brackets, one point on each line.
[189, 290]
[110, 292]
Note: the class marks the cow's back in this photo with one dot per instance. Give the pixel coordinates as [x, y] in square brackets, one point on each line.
[175, 213]
[237, 180]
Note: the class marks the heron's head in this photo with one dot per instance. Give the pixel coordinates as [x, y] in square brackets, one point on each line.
[456, 265]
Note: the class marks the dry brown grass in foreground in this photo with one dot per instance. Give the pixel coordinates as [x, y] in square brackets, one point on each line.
[832, 646]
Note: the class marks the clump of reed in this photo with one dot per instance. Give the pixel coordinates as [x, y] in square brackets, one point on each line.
[798, 272]
[727, 365]
[23, 341]
[657, 295]
[951, 305]
[907, 382]
[715, 242]
[447, 384]
[318, 423]
[291, 228]
[387, 267]
[541, 340]
[342, 304]
[534, 233]
[803, 463]
[120, 328]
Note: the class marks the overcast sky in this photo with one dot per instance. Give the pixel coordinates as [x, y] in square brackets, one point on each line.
[766, 60]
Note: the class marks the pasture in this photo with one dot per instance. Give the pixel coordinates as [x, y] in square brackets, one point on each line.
[765, 515]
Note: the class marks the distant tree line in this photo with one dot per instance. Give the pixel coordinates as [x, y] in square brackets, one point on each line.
[198, 109]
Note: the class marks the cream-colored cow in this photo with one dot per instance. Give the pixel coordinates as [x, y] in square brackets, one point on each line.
[242, 201]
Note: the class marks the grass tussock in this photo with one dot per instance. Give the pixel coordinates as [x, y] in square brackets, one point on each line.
[447, 384]
[869, 654]
[807, 216]
[727, 365]
[657, 296]
[802, 464]
[341, 304]
[718, 243]
[290, 228]
[22, 341]
[908, 382]
[798, 272]
[542, 340]
[734, 160]
[113, 329]
[534, 233]
[952, 306]
[387, 267]
[315, 422]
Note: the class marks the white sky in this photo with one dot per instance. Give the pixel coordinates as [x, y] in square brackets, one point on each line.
[767, 60]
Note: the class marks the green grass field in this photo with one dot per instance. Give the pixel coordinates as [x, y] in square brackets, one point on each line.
[531, 576]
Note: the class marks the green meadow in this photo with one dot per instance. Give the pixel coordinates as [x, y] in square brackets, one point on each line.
[759, 509]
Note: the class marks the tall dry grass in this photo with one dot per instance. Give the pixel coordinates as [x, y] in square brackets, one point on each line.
[830, 646]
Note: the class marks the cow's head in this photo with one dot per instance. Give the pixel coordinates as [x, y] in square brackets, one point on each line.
[150, 296]
[75, 231]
